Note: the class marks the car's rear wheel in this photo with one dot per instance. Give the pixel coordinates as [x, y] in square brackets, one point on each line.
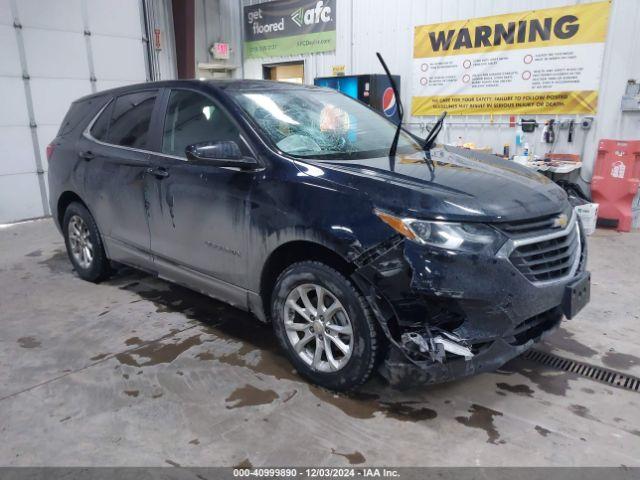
[324, 325]
[84, 243]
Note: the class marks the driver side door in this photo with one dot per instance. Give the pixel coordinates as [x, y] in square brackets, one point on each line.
[198, 213]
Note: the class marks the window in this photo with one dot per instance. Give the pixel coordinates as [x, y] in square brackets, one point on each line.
[126, 120]
[322, 124]
[100, 127]
[193, 118]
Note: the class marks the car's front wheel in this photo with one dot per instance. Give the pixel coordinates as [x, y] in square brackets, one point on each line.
[84, 244]
[324, 325]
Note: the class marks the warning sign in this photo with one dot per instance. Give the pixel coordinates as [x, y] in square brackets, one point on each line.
[541, 61]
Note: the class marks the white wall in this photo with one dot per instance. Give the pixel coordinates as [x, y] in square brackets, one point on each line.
[367, 26]
[218, 21]
[57, 61]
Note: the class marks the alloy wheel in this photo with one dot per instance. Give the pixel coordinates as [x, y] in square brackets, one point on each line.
[80, 242]
[318, 328]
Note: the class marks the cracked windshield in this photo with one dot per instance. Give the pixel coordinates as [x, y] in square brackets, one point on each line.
[322, 124]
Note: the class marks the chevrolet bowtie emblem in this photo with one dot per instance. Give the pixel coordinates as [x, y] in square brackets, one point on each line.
[560, 221]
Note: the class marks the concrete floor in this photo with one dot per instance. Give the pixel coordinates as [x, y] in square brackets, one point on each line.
[139, 372]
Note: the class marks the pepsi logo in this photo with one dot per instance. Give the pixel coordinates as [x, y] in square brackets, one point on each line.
[389, 106]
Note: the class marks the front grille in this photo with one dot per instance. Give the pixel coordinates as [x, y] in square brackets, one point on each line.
[548, 259]
[532, 225]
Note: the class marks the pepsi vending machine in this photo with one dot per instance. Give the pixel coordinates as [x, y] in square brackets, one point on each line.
[372, 89]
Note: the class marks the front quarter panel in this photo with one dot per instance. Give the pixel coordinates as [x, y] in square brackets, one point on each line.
[295, 203]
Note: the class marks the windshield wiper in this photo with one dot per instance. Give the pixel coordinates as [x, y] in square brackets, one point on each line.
[433, 133]
[394, 144]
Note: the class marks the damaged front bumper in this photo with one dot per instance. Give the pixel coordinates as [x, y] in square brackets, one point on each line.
[449, 314]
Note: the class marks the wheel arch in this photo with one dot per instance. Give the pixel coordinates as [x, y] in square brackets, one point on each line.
[66, 199]
[292, 252]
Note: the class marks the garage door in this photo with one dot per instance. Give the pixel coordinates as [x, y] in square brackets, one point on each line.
[50, 54]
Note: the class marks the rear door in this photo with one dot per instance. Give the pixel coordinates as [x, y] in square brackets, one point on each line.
[198, 214]
[116, 151]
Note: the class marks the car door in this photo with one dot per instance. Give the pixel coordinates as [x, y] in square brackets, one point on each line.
[198, 212]
[114, 150]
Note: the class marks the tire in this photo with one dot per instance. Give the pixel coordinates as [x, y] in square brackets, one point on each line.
[338, 371]
[98, 267]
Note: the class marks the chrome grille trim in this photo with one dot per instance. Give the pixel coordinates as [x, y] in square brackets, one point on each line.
[575, 246]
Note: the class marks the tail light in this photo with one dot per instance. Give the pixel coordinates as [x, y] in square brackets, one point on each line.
[49, 151]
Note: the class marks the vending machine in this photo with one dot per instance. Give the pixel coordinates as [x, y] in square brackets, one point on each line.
[373, 89]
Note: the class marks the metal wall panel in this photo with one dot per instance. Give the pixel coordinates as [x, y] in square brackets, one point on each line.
[20, 197]
[64, 43]
[61, 15]
[128, 65]
[16, 150]
[118, 18]
[9, 58]
[367, 26]
[160, 16]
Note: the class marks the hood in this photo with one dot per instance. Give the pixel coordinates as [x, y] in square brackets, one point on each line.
[456, 184]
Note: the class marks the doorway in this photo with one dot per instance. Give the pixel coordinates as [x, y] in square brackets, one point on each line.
[292, 72]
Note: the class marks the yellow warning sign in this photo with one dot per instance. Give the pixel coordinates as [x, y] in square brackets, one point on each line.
[539, 61]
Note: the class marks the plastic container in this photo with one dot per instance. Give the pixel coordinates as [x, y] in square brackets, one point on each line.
[616, 179]
[588, 213]
[635, 212]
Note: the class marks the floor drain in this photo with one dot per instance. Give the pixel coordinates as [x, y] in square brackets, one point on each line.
[599, 374]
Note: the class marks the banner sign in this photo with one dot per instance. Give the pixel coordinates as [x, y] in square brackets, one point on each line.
[541, 61]
[289, 27]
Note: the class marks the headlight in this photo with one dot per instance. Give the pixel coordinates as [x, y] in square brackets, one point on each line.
[468, 237]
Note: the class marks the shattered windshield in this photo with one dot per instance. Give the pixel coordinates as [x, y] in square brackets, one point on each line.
[322, 124]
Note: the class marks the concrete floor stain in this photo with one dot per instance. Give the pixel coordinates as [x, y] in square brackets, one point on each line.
[220, 320]
[582, 411]
[132, 393]
[482, 418]
[542, 431]
[35, 253]
[157, 352]
[620, 361]
[364, 405]
[405, 411]
[100, 356]
[521, 389]
[29, 342]
[205, 356]
[563, 339]
[547, 379]
[354, 458]
[58, 262]
[249, 396]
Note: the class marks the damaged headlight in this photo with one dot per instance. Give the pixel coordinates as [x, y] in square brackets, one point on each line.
[467, 237]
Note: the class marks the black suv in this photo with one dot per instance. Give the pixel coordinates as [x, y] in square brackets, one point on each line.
[429, 262]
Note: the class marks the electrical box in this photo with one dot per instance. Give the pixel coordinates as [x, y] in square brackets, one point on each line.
[631, 97]
[373, 89]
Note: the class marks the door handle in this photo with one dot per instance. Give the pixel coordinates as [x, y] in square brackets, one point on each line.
[159, 172]
[87, 155]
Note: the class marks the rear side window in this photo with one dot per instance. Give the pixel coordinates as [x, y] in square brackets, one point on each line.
[126, 120]
[100, 127]
[79, 114]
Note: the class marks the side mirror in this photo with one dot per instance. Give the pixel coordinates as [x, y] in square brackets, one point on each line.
[224, 154]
